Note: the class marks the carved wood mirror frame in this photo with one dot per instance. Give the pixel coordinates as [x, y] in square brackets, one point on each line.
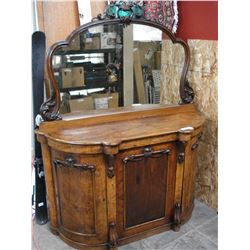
[50, 108]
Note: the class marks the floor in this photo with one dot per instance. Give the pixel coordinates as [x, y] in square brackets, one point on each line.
[200, 232]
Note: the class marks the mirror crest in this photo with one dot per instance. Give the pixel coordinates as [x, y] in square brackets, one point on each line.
[124, 10]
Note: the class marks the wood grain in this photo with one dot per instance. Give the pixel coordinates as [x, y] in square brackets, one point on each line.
[114, 132]
[145, 189]
[51, 196]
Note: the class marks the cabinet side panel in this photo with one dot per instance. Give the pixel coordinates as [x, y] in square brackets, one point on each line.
[49, 178]
[189, 177]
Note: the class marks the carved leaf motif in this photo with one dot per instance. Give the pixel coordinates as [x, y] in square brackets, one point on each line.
[188, 93]
[47, 109]
[177, 216]
[196, 144]
[181, 151]
[113, 236]
[111, 166]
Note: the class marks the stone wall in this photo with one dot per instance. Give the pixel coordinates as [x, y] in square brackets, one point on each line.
[202, 76]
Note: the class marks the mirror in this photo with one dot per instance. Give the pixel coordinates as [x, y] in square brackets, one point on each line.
[119, 59]
[89, 70]
[112, 65]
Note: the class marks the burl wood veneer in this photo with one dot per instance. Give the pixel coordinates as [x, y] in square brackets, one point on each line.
[122, 175]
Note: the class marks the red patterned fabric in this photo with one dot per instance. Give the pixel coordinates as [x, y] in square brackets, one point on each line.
[163, 12]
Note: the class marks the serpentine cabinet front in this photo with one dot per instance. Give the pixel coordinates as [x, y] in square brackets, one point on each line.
[104, 200]
[104, 195]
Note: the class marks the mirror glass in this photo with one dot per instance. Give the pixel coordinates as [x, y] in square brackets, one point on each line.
[110, 66]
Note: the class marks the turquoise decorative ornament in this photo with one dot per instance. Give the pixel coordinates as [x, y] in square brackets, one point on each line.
[111, 11]
[138, 12]
[125, 10]
[124, 13]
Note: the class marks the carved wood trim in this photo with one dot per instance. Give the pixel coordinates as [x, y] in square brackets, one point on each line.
[181, 151]
[50, 108]
[196, 144]
[110, 166]
[177, 216]
[113, 236]
[148, 153]
[70, 162]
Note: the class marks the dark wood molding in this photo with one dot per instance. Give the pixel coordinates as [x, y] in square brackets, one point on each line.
[186, 92]
[70, 162]
[113, 236]
[196, 144]
[50, 108]
[181, 151]
[110, 165]
[147, 153]
[177, 217]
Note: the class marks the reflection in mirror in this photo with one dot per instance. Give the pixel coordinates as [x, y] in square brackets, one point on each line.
[147, 47]
[173, 57]
[88, 71]
[157, 66]
[109, 66]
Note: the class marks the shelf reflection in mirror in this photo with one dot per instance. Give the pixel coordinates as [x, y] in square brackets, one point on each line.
[109, 66]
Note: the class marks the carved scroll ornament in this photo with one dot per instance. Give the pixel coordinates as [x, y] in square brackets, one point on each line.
[110, 166]
[177, 216]
[70, 162]
[113, 236]
[196, 144]
[181, 151]
[148, 153]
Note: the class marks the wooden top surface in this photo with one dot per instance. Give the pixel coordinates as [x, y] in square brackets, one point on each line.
[116, 127]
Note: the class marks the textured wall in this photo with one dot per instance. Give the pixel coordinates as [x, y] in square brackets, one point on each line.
[202, 76]
[198, 20]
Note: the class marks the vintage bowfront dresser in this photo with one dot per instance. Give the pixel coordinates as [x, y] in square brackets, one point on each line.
[115, 174]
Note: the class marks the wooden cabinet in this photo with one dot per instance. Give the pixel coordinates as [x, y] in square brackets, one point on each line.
[118, 175]
[122, 175]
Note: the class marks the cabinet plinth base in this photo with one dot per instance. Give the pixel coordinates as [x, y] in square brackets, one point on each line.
[82, 246]
[123, 241]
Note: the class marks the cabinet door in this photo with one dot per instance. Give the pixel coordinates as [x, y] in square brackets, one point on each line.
[145, 188]
[80, 196]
